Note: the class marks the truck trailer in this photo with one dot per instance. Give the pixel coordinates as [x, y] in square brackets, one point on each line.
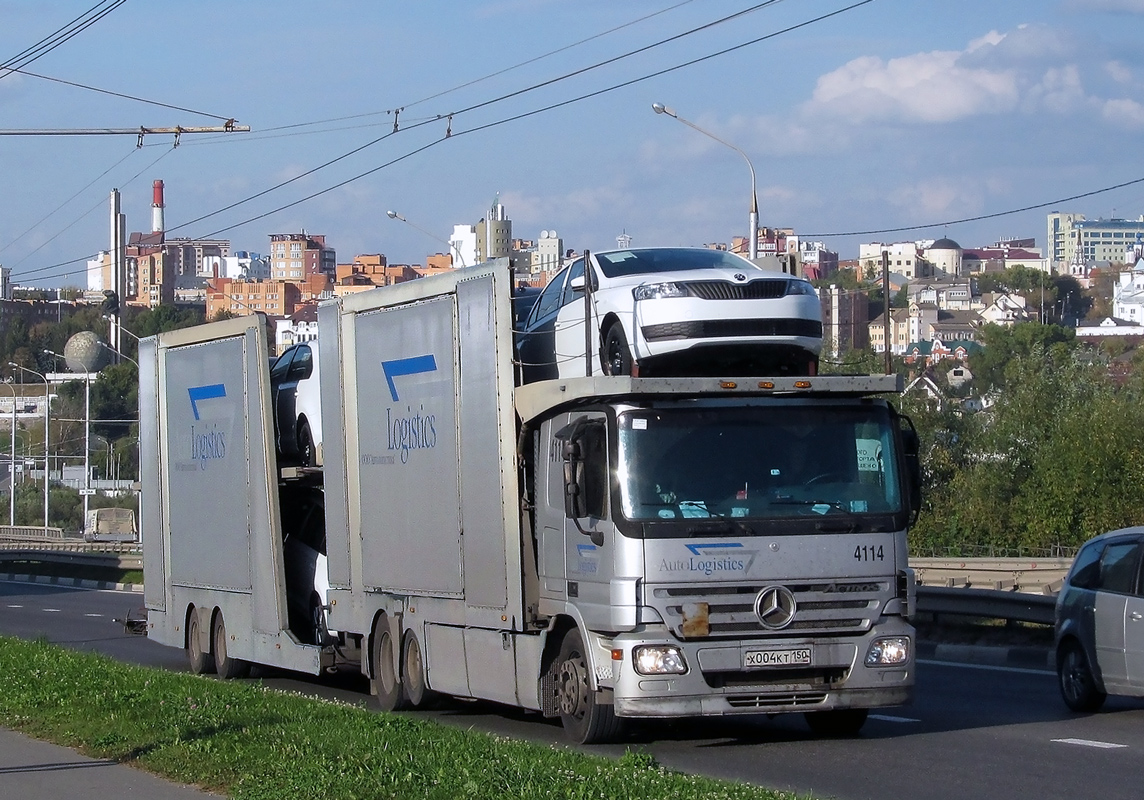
[597, 549]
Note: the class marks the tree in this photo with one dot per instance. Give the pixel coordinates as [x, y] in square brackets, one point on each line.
[1001, 345]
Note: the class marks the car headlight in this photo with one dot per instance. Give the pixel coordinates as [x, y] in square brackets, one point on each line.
[658, 660]
[658, 291]
[891, 651]
[800, 287]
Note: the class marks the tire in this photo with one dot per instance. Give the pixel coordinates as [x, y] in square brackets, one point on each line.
[1076, 681]
[385, 685]
[306, 451]
[226, 667]
[200, 660]
[413, 676]
[585, 720]
[617, 356]
[838, 723]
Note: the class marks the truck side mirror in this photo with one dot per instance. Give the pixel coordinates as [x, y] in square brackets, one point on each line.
[575, 482]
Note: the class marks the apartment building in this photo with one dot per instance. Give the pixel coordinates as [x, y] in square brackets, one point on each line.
[1075, 243]
[296, 256]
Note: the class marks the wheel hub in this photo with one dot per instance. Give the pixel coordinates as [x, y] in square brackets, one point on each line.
[572, 692]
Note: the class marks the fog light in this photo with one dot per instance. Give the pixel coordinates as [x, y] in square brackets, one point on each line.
[658, 660]
[889, 652]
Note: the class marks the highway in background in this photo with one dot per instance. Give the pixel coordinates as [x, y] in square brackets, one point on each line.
[973, 731]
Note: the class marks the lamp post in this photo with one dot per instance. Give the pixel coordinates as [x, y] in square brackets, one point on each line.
[47, 456]
[86, 433]
[451, 245]
[660, 108]
[12, 461]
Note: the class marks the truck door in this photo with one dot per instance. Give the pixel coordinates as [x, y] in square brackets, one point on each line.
[587, 532]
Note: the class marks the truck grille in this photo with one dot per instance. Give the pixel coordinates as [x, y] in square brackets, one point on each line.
[717, 328]
[725, 290]
[823, 607]
[776, 700]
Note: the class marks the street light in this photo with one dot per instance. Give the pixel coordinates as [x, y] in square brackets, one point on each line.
[12, 461]
[660, 108]
[47, 456]
[111, 349]
[86, 432]
[451, 245]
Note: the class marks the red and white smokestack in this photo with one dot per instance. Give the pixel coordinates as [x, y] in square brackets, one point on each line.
[157, 207]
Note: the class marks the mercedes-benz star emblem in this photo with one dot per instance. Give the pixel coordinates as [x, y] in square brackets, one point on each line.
[775, 607]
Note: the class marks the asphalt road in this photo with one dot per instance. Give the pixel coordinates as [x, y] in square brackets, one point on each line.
[974, 731]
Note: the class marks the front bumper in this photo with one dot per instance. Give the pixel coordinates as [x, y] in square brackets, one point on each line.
[717, 683]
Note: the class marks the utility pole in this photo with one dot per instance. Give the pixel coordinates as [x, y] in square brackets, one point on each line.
[886, 307]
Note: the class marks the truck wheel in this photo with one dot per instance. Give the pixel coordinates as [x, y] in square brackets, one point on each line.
[225, 666]
[199, 659]
[617, 354]
[413, 673]
[386, 684]
[585, 721]
[838, 723]
[1078, 684]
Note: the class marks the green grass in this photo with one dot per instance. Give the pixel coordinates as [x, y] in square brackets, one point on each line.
[252, 742]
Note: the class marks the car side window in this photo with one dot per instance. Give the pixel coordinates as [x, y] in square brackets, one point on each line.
[1118, 567]
[281, 365]
[549, 299]
[1086, 570]
[302, 364]
[574, 272]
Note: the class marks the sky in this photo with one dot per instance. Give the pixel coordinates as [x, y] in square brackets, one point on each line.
[875, 121]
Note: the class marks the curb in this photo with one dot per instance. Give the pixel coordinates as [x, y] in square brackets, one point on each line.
[1027, 657]
[78, 583]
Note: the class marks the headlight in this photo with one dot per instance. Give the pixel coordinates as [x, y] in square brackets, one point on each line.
[658, 660]
[658, 291]
[889, 652]
[800, 287]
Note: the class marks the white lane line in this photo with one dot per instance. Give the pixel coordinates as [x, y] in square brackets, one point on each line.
[51, 610]
[887, 718]
[14, 605]
[992, 667]
[93, 615]
[1090, 743]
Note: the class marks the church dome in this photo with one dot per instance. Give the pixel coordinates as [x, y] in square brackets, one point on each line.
[945, 244]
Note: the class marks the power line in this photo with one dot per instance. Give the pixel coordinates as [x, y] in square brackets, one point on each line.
[506, 120]
[60, 36]
[533, 87]
[116, 94]
[981, 217]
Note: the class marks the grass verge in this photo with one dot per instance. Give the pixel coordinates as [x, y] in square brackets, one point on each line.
[251, 742]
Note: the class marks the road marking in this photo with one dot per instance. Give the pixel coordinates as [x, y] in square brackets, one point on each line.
[1091, 743]
[93, 615]
[887, 718]
[51, 610]
[12, 605]
[993, 667]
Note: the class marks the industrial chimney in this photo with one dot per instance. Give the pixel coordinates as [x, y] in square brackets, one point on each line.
[157, 207]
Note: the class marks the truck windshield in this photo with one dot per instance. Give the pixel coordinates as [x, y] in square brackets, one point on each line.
[767, 462]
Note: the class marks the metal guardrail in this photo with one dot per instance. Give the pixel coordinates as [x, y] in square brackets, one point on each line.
[1033, 576]
[987, 603]
[122, 560]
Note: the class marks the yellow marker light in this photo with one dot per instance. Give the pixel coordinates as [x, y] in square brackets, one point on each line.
[728, 385]
[617, 654]
[802, 384]
[766, 384]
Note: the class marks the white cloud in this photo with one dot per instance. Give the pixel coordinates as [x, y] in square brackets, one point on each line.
[1059, 90]
[936, 199]
[1125, 113]
[1118, 72]
[925, 87]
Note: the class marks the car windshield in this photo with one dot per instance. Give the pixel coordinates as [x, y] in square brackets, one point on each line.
[767, 462]
[619, 263]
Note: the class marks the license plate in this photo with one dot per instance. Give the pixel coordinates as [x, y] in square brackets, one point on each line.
[787, 657]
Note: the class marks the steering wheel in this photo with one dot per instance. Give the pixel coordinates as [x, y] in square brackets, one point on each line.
[827, 477]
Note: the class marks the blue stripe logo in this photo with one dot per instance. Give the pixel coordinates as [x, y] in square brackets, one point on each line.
[406, 366]
[200, 393]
